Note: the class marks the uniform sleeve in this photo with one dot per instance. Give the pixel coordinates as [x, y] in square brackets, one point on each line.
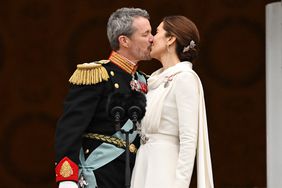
[79, 108]
[187, 101]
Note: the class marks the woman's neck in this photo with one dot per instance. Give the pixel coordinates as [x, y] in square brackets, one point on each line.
[169, 60]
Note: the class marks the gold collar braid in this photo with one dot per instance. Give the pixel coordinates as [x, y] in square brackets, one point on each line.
[123, 63]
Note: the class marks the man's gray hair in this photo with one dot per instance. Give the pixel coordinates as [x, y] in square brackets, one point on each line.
[120, 23]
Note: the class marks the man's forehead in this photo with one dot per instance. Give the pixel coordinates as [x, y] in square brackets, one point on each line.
[141, 24]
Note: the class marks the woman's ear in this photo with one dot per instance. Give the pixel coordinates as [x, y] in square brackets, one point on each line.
[123, 41]
[171, 40]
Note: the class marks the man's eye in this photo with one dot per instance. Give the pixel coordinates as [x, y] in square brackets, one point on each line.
[145, 34]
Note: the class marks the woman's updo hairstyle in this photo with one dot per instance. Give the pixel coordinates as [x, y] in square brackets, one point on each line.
[187, 36]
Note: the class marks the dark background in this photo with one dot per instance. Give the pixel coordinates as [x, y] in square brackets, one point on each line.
[41, 41]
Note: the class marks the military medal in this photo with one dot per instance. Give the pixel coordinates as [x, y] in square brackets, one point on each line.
[135, 85]
[82, 182]
[138, 86]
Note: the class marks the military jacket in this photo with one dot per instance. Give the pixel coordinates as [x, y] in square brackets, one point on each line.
[85, 111]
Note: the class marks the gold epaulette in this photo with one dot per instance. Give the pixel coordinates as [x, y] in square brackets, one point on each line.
[90, 73]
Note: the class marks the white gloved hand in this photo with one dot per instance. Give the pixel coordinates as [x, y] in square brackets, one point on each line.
[68, 184]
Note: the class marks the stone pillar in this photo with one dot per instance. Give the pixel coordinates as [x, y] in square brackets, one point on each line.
[274, 93]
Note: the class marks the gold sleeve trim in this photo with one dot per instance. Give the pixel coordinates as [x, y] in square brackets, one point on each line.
[66, 170]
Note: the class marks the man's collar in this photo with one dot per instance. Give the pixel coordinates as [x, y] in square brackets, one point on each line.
[122, 62]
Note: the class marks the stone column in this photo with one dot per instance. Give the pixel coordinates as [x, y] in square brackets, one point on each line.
[274, 93]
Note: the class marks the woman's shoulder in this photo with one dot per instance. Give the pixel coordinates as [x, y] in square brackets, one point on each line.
[186, 73]
[186, 79]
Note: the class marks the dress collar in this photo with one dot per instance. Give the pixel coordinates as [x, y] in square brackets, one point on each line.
[162, 75]
[122, 62]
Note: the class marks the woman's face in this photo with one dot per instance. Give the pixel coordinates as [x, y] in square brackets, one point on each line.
[159, 46]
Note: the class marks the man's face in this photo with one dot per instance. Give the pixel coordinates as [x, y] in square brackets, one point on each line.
[141, 39]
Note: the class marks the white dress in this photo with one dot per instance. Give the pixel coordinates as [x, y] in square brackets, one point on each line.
[175, 125]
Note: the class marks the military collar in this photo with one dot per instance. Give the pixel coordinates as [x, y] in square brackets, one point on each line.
[122, 62]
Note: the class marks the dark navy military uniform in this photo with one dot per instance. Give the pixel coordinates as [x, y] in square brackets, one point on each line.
[85, 111]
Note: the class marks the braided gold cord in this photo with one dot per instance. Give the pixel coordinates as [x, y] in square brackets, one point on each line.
[111, 140]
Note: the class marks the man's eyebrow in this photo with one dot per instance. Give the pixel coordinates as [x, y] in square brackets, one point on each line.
[146, 31]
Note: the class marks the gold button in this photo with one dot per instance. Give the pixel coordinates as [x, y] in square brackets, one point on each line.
[132, 148]
[112, 73]
[116, 85]
[86, 151]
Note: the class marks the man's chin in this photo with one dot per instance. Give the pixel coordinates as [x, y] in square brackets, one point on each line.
[145, 56]
[148, 58]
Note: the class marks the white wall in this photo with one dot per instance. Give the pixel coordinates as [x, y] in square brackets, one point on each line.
[274, 94]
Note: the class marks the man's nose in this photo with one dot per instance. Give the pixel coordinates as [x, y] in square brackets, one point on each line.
[151, 38]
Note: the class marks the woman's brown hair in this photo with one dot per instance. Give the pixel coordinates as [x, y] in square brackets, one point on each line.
[185, 31]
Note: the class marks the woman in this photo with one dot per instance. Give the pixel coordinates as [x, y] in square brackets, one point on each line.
[174, 128]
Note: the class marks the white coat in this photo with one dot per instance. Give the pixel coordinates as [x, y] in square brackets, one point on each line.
[176, 127]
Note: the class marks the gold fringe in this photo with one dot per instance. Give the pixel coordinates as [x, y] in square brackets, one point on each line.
[90, 73]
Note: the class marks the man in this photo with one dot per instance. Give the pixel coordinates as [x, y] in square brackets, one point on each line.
[89, 150]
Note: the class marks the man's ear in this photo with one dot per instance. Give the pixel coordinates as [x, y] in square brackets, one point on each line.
[123, 41]
[171, 40]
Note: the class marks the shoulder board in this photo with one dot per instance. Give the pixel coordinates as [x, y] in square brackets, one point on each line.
[90, 73]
